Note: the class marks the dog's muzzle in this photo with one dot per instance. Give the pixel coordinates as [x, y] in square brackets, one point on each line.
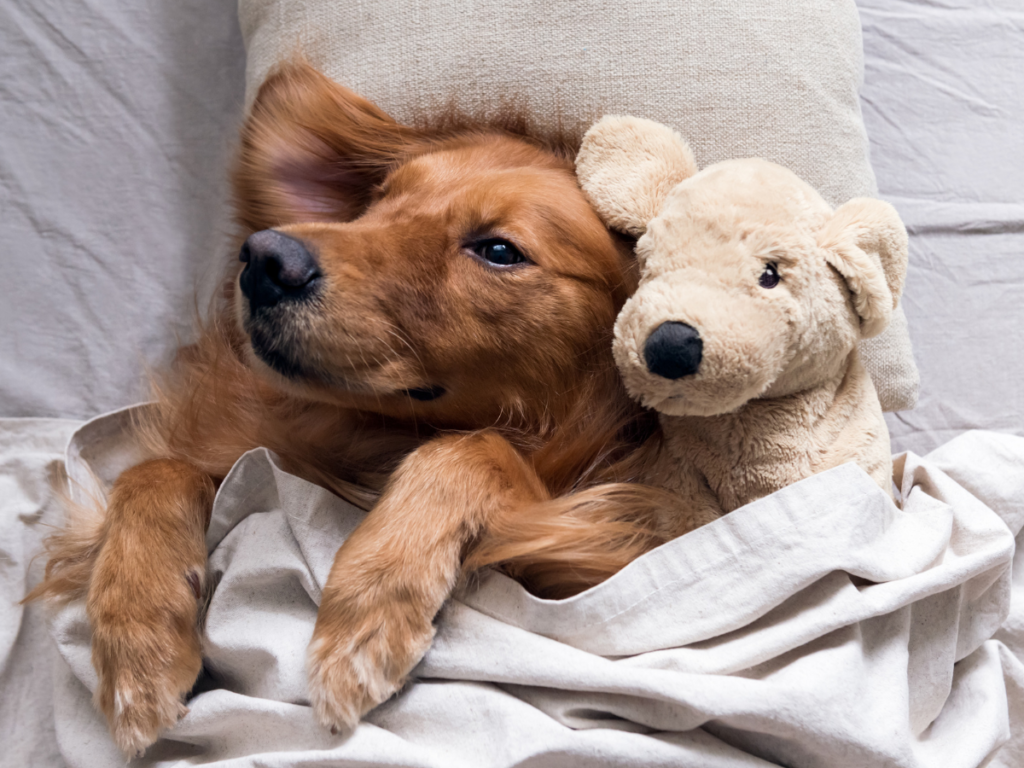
[277, 268]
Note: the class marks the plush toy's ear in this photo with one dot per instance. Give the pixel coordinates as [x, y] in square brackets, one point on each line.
[867, 244]
[627, 166]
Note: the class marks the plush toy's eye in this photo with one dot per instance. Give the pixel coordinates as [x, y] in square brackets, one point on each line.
[770, 277]
[500, 253]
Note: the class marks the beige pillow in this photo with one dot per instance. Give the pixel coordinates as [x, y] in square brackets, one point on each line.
[777, 79]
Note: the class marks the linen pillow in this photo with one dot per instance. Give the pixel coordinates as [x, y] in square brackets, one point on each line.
[777, 79]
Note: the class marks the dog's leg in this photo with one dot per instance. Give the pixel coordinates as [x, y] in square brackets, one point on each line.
[144, 596]
[394, 572]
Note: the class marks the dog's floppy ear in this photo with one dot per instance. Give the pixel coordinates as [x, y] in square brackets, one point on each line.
[311, 150]
[627, 166]
[866, 242]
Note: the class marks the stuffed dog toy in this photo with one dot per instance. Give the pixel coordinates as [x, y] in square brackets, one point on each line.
[743, 333]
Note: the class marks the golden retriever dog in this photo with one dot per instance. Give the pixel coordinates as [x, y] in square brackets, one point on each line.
[421, 321]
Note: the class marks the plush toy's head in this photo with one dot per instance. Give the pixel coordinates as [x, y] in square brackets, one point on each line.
[751, 285]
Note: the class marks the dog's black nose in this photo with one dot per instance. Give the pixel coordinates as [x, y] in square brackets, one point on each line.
[673, 350]
[277, 267]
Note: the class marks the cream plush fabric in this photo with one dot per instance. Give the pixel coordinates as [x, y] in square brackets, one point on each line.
[777, 79]
[743, 332]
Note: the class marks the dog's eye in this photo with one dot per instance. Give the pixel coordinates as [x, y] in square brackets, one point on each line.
[770, 277]
[501, 253]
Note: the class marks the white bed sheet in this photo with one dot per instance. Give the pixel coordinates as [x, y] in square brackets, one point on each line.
[117, 119]
[943, 101]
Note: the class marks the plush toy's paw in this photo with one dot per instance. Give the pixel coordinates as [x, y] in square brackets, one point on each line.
[147, 656]
[360, 656]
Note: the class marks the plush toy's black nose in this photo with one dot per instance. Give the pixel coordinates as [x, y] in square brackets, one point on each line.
[277, 267]
[673, 350]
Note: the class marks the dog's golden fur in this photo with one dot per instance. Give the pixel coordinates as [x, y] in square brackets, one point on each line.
[521, 460]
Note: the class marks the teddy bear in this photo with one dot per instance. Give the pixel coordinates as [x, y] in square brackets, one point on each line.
[743, 333]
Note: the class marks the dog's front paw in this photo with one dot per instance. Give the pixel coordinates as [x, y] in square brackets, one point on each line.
[138, 709]
[360, 658]
[147, 656]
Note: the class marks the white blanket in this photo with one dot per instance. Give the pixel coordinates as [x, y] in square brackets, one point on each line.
[822, 626]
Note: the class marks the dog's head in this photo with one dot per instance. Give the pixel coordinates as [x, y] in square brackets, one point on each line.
[456, 276]
[751, 285]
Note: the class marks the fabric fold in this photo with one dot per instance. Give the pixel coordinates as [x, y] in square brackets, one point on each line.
[824, 625]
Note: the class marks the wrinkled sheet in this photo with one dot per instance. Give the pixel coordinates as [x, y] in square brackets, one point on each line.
[820, 626]
[117, 121]
[943, 101]
[31, 451]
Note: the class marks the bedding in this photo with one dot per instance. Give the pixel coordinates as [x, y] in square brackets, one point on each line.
[819, 626]
[117, 121]
[943, 103]
[118, 118]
